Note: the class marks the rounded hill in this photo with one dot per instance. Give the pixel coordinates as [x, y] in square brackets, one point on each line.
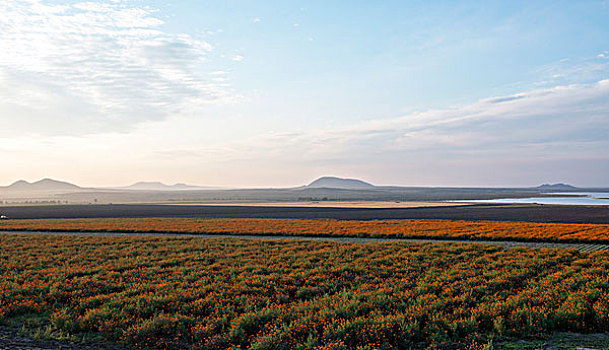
[340, 183]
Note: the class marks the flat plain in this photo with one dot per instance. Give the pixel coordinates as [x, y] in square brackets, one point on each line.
[524, 212]
[153, 283]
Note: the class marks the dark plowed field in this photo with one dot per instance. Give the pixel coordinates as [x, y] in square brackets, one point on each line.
[531, 213]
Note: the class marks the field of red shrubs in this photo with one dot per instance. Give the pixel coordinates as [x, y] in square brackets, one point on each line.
[188, 292]
[447, 229]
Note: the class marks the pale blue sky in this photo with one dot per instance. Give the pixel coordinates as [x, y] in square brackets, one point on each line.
[246, 93]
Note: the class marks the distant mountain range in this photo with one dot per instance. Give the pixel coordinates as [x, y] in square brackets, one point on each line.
[325, 182]
[50, 185]
[327, 188]
[159, 186]
[44, 185]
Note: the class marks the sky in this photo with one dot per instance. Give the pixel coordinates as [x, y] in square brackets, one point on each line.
[241, 93]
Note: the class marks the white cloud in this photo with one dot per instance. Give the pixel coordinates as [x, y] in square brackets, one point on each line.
[558, 119]
[95, 66]
[568, 71]
[556, 134]
[557, 122]
[238, 58]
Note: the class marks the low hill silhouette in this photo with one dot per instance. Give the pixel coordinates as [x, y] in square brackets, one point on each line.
[340, 183]
[556, 187]
[159, 186]
[44, 185]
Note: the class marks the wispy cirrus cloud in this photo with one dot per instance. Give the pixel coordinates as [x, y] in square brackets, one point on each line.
[534, 133]
[554, 134]
[562, 115]
[559, 133]
[88, 67]
[572, 71]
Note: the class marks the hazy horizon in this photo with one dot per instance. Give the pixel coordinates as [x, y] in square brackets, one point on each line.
[285, 186]
[107, 93]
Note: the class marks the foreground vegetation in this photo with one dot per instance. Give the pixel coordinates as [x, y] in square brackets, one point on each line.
[232, 293]
[439, 229]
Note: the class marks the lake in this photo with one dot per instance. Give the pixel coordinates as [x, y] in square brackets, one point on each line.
[562, 198]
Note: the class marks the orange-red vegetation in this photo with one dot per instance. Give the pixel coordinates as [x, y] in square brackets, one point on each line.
[474, 230]
[194, 293]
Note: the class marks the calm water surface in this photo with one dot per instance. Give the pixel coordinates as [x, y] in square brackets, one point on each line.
[586, 198]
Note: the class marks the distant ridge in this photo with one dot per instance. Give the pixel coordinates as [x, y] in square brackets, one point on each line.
[44, 185]
[159, 186]
[340, 183]
[556, 187]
